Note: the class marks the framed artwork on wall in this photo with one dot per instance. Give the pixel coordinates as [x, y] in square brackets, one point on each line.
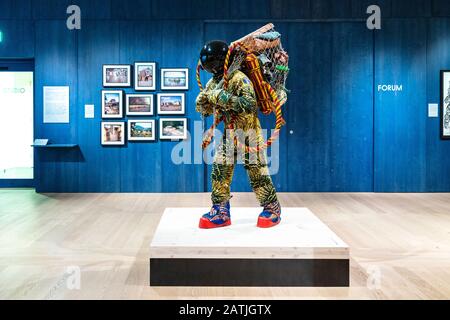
[113, 133]
[175, 79]
[112, 104]
[141, 130]
[171, 103]
[173, 128]
[139, 104]
[145, 76]
[116, 75]
[445, 104]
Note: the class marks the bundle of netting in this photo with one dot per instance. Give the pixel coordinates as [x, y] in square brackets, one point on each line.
[261, 56]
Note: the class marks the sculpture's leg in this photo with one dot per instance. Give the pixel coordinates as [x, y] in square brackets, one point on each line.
[221, 176]
[261, 182]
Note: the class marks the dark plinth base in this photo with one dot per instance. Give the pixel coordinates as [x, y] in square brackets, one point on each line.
[250, 272]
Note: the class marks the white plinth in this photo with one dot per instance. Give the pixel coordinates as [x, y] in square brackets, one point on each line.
[301, 251]
[300, 235]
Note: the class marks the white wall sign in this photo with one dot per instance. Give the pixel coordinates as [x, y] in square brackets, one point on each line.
[433, 110]
[89, 111]
[390, 87]
[56, 104]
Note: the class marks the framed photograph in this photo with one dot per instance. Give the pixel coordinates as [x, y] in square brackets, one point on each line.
[116, 75]
[175, 79]
[139, 104]
[113, 133]
[445, 104]
[171, 103]
[141, 130]
[112, 104]
[173, 128]
[144, 76]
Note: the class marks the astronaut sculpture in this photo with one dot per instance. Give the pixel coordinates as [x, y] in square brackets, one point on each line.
[249, 75]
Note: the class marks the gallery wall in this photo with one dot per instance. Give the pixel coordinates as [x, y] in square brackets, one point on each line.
[341, 133]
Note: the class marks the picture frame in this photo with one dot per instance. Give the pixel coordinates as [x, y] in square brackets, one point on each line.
[141, 130]
[144, 76]
[116, 75]
[173, 128]
[174, 78]
[112, 104]
[445, 105]
[138, 104]
[112, 133]
[171, 103]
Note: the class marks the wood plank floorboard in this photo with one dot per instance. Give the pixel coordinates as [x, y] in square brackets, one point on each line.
[400, 245]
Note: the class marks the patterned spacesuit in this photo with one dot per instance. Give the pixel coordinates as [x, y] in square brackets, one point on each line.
[238, 105]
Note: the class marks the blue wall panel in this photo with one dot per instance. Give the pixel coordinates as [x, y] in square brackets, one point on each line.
[441, 8]
[98, 44]
[211, 10]
[18, 39]
[145, 167]
[191, 9]
[411, 8]
[180, 47]
[14, 9]
[330, 111]
[56, 9]
[331, 9]
[359, 8]
[290, 9]
[309, 108]
[334, 140]
[250, 9]
[438, 151]
[132, 10]
[141, 163]
[400, 117]
[56, 56]
[352, 108]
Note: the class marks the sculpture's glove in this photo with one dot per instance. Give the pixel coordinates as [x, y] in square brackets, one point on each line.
[202, 98]
[202, 104]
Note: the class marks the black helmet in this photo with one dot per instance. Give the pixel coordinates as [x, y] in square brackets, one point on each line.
[212, 56]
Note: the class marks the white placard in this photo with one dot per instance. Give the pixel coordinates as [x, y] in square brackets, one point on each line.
[433, 110]
[56, 104]
[89, 111]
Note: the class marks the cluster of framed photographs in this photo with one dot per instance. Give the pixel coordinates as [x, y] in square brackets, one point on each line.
[114, 133]
[120, 76]
[138, 104]
[114, 101]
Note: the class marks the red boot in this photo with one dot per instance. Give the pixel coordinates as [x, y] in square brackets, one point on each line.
[218, 217]
[271, 215]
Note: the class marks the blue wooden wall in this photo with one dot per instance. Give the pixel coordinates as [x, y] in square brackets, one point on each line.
[400, 118]
[341, 133]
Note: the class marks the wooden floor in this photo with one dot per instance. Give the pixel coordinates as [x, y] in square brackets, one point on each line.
[400, 245]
